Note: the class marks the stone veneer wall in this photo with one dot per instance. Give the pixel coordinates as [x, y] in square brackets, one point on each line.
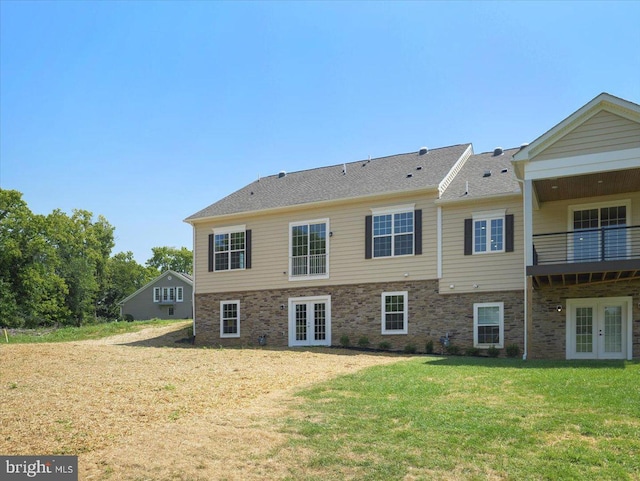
[549, 333]
[356, 312]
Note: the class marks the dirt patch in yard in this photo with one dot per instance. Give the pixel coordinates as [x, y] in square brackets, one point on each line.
[141, 406]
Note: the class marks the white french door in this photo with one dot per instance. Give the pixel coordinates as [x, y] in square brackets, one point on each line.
[310, 321]
[599, 328]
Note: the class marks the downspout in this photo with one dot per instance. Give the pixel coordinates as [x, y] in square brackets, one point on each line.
[193, 287]
[525, 283]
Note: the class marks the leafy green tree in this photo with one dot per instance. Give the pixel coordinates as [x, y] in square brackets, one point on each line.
[83, 249]
[31, 291]
[164, 258]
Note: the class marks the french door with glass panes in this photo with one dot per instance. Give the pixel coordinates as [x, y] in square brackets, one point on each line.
[598, 328]
[310, 321]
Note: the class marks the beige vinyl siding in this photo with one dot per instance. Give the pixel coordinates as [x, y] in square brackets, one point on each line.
[602, 132]
[490, 271]
[347, 265]
[554, 216]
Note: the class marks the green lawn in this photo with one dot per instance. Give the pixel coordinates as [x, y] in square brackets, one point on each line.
[93, 331]
[472, 418]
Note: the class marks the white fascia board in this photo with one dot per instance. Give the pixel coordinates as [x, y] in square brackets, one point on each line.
[583, 164]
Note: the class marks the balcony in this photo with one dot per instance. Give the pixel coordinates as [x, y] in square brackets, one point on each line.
[586, 256]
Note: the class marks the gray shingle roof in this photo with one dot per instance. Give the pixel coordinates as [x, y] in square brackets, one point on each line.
[473, 172]
[362, 178]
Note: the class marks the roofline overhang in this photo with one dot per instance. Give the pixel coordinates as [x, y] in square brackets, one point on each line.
[603, 101]
[308, 205]
[463, 200]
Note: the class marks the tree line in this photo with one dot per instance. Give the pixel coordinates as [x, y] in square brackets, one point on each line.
[57, 269]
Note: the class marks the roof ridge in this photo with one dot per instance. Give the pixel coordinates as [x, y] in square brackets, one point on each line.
[364, 160]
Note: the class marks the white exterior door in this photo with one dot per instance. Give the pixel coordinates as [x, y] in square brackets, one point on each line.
[310, 321]
[599, 328]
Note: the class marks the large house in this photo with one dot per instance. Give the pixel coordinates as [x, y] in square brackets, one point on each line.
[168, 296]
[537, 246]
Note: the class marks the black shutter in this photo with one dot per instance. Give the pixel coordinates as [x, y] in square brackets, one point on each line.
[368, 232]
[210, 252]
[468, 237]
[247, 247]
[417, 231]
[508, 230]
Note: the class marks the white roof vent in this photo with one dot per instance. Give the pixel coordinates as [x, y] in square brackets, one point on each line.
[497, 151]
[423, 150]
[281, 174]
[522, 146]
[487, 173]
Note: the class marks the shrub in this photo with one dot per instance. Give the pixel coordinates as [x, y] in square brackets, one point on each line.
[384, 345]
[472, 351]
[363, 341]
[344, 341]
[410, 349]
[493, 351]
[453, 350]
[513, 350]
[429, 347]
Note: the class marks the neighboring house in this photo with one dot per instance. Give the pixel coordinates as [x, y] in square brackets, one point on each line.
[533, 246]
[168, 296]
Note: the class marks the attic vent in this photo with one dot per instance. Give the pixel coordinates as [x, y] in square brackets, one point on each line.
[497, 151]
[487, 173]
[504, 171]
[522, 146]
[423, 150]
[281, 174]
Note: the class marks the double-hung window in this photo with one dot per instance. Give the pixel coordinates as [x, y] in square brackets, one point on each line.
[488, 232]
[395, 312]
[393, 232]
[488, 324]
[230, 319]
[309, 249]
[229, 249]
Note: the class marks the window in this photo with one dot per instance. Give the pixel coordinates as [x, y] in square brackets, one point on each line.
[171, 311]
[599, 232]
[395, 312]
[393, 234]
[229, 251]
[488, 324]
[167, 295]
[179, 294]
[308, 249]
[230, 319]
[489, 232]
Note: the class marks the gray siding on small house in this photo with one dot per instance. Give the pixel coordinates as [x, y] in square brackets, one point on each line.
[142, 305]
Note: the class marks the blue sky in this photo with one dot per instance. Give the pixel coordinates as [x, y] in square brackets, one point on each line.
[147, 112]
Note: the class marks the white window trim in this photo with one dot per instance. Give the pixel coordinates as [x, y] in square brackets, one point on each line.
[179, 294]
[223, 334]
[157, 294]
[396, 209]
[489, 216]
[230, 230]
[477, 305]
[405, 329]
[309, 277]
